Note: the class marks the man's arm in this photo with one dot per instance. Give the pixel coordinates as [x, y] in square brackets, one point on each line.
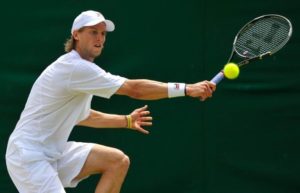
[152, 90]
[136, 120]
[144, 89]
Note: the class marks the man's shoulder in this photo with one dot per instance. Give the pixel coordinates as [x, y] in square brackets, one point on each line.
[69, 57]
[73, 58]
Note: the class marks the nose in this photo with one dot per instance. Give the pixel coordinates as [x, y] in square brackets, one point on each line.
[101, 38]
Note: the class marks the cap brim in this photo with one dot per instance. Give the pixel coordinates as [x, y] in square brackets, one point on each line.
[110, 26]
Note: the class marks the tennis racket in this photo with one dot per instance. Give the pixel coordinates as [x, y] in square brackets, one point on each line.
[263, 36]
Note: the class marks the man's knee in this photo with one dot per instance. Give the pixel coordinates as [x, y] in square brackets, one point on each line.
[126, 161]
[121, 160]
[105, 159]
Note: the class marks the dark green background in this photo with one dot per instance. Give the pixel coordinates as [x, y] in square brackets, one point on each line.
[243, 140]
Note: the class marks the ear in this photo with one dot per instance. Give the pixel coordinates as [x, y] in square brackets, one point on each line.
[75, 35]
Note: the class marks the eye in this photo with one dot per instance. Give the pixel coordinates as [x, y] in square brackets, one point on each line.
[94, 32]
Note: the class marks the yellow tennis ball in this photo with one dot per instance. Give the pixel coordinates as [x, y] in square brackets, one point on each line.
[231, 70]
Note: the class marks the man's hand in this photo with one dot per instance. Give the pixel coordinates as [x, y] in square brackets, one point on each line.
[140, 117]
[202, 90]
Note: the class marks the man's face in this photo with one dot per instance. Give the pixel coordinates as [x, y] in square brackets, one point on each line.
[90, 41]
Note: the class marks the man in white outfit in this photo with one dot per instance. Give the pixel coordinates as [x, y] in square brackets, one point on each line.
[39, 157]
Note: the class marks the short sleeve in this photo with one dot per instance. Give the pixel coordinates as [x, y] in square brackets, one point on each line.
[89, 78]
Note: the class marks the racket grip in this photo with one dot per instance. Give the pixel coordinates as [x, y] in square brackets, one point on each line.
[218, 78]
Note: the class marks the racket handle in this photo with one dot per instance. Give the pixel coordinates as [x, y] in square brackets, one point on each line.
[218, 78]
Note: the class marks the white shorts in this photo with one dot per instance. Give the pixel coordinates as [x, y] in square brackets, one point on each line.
[42, 176]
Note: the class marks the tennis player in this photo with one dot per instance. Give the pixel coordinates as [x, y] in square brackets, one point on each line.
[39, 157]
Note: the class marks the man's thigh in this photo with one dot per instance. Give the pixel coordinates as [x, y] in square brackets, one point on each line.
[33, 177]
[99, 160]
[72, 161]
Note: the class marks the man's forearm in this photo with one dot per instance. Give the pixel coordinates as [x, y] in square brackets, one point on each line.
[144, 89]
[98, 119]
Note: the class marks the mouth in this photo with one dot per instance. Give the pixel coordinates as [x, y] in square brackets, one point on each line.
[98, 46]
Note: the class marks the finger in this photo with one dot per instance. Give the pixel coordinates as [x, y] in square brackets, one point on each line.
[206, 87]
[212, 86]
[203, 97]
[142, 130]
[143, 123]
[209, 90]
[144, 113]
[209, 93]
[146, 118]
[142, 108]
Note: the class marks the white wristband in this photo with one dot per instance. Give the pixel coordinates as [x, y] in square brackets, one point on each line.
[176, 89]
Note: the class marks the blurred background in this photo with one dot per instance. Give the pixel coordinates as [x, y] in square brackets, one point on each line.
[243, 140]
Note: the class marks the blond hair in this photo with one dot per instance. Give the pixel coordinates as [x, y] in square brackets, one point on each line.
[70, 44]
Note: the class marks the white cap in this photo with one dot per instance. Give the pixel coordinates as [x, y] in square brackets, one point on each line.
[90, 18]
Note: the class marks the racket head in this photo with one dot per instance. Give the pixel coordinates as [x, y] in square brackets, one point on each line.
[263, 35]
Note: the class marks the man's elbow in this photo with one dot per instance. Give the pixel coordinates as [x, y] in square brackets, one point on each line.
[130, 89]
[134, 93]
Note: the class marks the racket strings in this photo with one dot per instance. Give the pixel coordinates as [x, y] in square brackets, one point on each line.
[266, 35]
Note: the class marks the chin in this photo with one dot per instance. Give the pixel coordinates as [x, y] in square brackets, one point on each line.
[96, 54]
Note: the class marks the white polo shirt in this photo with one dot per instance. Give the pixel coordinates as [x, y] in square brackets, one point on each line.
[59, 99]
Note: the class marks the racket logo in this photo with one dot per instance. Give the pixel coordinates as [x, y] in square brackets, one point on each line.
[254, 49]
[261, 38]
[274, 29]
